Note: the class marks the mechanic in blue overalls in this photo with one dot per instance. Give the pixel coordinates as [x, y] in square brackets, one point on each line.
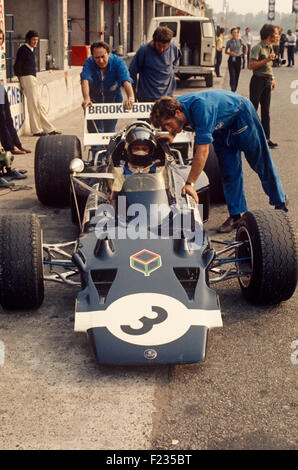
[102, 77]
[230, 121]
[152, 68]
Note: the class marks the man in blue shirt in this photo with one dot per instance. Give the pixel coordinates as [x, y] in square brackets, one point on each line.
[154, 63]
[231, 122]
[102, 77]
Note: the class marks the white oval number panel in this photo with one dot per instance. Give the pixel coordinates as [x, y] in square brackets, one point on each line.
[147, 319]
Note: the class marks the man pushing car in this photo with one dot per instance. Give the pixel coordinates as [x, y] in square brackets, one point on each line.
[230, 121]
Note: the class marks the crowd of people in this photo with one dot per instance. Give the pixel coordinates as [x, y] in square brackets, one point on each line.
[223, 117]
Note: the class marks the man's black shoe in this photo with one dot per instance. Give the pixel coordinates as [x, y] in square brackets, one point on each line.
[14, 175]
[230, 224]
[272, 145]
[55, 133]
[39, 134]
[4, 183]
[283, 206]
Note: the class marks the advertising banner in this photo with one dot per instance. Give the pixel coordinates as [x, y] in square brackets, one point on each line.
[271, 10]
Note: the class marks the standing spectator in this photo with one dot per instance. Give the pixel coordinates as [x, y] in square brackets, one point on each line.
[219, 48]
[262, 81]
[152, 68]
[296, 50]
[276, 46]
[282, 43]
[229, 121]
[234, 50]
[247, 38]
[8, 135]
[25, 70]
[291, 44]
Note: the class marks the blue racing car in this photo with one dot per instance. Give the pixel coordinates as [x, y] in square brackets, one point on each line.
[143, 264]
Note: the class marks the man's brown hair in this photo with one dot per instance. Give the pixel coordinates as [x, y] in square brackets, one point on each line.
[103, 44]
[267, 30]
[162, 34]
[164, 108]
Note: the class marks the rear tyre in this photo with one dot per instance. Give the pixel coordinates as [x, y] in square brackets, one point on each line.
[213, 172]
[270, 247]
[52, 158]
[21, 261]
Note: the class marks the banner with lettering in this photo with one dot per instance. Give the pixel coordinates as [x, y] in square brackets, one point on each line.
[271, 10]
[17, 105]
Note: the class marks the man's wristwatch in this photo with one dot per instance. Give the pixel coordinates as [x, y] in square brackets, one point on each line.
[189, 183]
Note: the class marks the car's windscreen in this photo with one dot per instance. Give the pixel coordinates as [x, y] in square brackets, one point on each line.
[146, 182]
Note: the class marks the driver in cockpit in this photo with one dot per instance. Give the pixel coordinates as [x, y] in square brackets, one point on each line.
[141, 155]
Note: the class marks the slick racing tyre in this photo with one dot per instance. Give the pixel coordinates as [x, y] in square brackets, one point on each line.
[213, 172]
[269, 256]
[52, 177]
[21, 261]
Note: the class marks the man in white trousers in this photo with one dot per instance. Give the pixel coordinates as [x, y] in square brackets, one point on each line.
[25, 70]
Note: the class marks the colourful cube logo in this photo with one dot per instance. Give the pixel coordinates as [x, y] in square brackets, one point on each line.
[145, 261]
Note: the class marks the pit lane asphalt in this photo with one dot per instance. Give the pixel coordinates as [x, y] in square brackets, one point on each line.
[54, 395]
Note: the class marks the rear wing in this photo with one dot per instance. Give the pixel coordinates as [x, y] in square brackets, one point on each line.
[103, 111]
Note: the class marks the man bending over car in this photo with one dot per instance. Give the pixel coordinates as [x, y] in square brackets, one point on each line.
[230, 121]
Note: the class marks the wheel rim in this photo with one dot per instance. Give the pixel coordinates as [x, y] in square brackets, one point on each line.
[245, 266]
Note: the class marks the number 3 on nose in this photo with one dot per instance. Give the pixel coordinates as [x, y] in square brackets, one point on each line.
[147, 322]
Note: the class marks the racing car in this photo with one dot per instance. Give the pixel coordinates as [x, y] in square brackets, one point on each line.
[143, 264]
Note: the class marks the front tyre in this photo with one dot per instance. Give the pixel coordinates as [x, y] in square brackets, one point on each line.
[269, 257]
[53, 155]
[21, 262]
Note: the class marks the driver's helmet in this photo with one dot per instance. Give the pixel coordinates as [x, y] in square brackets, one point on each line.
[140, 146]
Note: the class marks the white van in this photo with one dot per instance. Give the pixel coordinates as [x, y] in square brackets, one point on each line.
[195, 36]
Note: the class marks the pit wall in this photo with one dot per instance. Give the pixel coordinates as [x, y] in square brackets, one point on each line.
[60, 94]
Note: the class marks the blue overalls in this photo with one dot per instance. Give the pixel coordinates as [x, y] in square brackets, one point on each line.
[231, 122]
[105, 89]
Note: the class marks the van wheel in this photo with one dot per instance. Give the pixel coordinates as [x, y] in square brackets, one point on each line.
[52, 158]
[209, 80]
[183, 76]
[21, 261]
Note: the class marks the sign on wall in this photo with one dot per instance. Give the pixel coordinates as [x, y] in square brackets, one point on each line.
[17, 105]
